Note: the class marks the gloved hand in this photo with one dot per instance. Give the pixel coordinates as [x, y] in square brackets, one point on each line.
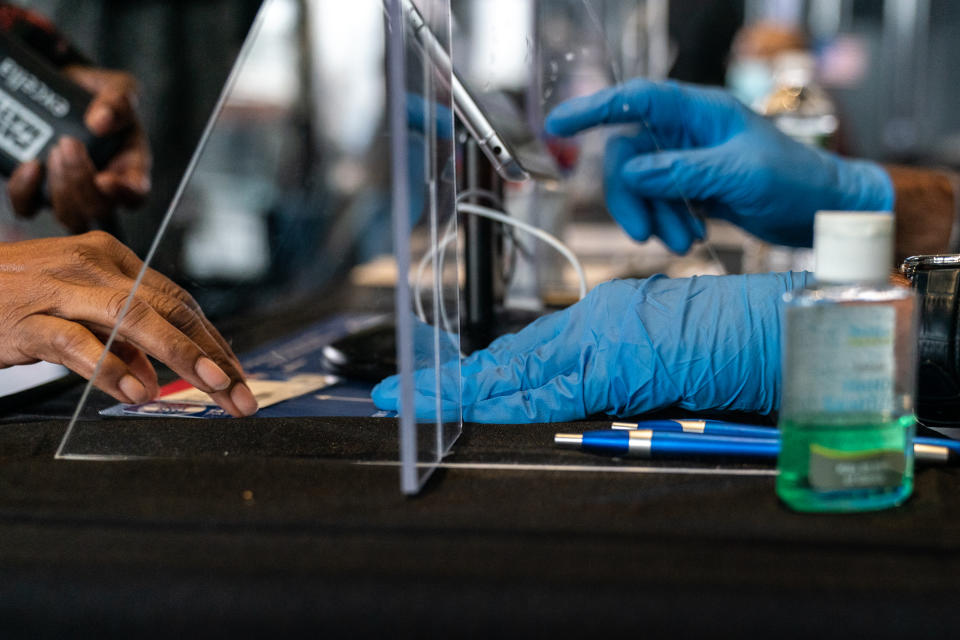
[729, 161]
[630, 346]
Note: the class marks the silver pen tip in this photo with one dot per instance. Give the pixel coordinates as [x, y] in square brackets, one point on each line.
[568, 440]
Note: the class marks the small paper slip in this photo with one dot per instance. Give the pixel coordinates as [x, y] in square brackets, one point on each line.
[181, 399]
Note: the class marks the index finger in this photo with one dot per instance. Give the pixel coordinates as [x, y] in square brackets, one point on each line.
[636, 101]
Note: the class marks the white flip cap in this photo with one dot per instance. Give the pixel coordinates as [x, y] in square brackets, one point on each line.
[853, 246]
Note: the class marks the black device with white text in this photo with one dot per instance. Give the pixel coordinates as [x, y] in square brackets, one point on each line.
[38, 106]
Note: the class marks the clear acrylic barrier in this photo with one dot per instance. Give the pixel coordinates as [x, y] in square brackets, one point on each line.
[423, 144]
[332, 129]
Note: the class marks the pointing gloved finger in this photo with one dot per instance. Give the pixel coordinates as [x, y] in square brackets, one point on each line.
[614, 105]
[661, 105]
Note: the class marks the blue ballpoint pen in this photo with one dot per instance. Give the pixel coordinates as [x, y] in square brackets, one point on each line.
[644, 443]
[721, 428]
[648, 443]
[706, 427]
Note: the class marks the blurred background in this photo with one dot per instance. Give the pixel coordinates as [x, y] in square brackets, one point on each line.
[291, 192]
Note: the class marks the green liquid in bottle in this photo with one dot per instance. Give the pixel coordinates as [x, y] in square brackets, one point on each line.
[845, 463]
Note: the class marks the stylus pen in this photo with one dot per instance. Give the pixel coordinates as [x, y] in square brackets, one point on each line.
[647, 443]
[721, 428]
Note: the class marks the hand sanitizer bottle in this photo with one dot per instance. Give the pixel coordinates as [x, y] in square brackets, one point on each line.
[847, 418]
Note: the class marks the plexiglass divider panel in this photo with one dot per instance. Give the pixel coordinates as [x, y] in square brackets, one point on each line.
[332, 128]
[79, 443]
[425, 230]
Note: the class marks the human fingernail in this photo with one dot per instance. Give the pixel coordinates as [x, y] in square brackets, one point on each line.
[211, 374]
[133, 389]
[243, 398]
[99, 118]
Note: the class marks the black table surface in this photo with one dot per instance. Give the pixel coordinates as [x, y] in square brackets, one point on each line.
[283, 526]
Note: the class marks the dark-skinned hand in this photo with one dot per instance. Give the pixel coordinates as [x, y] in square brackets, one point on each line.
[61, 297]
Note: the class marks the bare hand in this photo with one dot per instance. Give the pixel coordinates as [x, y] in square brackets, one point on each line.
[79, 193]
[61, 297]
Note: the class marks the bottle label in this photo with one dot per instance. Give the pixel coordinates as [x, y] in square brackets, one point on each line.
[840, 359]
[833, 470]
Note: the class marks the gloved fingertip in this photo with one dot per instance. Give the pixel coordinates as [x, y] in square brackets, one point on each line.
[556, 122]
[383, 405]
[384, 395]
[577, 114]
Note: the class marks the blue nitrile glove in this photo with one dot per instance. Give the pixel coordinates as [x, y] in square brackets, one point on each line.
[630, 346]
[730, 162]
